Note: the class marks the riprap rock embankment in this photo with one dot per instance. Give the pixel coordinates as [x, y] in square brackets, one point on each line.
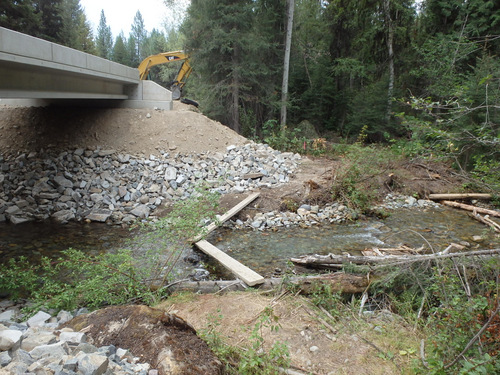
[107, 186]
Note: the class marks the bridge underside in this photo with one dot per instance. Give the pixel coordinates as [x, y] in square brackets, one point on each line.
[37, 72]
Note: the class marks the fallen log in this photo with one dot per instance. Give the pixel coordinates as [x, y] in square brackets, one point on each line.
[337, 261]
[493, 225]
[469, 207]
[338, 282]
[438, 197]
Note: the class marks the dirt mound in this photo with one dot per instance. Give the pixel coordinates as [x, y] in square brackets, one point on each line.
[133, 131]
[165, 341]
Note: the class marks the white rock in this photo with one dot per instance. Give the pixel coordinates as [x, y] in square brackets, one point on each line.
[38, 319]
[9, 339]
[73, 337]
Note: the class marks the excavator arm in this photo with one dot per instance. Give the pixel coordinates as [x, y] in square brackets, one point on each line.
[167, 57]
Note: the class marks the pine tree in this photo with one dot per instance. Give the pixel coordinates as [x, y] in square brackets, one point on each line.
[75, 32]
[120, 50]
[140, 34]
[104, 39]
[51, 20]
[84, 38]
[219, 36]
[21, 16]
[132, 56]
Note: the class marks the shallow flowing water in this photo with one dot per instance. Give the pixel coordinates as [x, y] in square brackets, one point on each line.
[262, 251]
[266, 251]
[36, 239]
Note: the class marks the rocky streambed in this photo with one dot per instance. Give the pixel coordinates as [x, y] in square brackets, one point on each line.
[108, 186]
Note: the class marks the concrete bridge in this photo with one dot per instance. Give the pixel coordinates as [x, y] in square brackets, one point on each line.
[34, 72]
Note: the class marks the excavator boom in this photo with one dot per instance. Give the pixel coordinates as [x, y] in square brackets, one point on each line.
[167, 57]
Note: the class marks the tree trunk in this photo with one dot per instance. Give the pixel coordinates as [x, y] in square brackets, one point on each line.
[235, 93]
[469, 207]
[336, 261]
[338, 282]
[389, 42]
[435, 197]
[286, 64]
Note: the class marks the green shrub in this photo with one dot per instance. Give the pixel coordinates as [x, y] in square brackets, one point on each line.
[353, 182]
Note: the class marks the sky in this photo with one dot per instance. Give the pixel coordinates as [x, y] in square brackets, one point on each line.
[120, 14]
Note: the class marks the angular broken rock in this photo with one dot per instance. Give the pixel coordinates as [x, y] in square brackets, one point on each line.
[100, 215]
[63, 181]
[141, 211]
[63, 216]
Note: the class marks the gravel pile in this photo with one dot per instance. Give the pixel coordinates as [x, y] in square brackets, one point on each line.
[397, 201]
[36, 346]
[107, 186]
[332, 213]
[305, 216]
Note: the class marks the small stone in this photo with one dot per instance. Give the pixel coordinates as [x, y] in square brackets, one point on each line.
[257, 223]
[99, 215]
[5, 359]
[63, 216]
[38, 319]
[73, 337]
[56, 350]
[93, 364]
[142, 211]
[313, 348]
[9, 339]
[62, 181]
[39, 338]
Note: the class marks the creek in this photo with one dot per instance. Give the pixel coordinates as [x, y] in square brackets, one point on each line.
[268, 252]
[263, 251]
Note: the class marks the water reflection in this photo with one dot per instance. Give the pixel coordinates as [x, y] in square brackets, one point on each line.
[34, 240]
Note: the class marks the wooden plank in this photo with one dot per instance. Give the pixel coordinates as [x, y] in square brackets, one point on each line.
[247, 275]
[460, 196]
[229, 214]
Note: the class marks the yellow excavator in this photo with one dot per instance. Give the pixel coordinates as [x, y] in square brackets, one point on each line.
[167, 57]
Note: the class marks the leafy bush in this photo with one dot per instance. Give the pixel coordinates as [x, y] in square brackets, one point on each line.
[452, 301]
[352, 181]
[75, 279]
[283, 139]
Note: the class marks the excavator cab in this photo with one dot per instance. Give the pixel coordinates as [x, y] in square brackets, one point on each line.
[163, 58]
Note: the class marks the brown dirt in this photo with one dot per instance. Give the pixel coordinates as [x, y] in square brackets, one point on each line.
[346, 346]
[184, 130]
[163, 340]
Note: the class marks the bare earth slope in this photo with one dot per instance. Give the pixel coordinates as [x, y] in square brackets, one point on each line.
[134, 131]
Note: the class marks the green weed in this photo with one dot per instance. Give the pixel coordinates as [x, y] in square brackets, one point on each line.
[255, 358]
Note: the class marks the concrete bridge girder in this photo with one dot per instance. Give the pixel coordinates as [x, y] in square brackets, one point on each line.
[40, 72]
